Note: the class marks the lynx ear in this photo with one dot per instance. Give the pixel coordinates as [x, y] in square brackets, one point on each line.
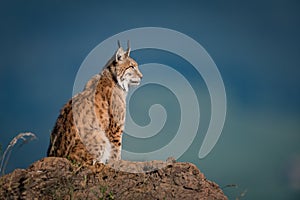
[128, 49]
[119, 54]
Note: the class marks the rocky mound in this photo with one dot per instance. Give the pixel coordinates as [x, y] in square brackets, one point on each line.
[58, 178]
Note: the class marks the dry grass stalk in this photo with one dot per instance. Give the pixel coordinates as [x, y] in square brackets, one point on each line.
[25, 137]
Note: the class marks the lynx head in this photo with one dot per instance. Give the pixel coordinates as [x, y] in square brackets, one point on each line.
[124, 69]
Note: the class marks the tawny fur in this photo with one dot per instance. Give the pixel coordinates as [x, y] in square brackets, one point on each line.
[90, 126]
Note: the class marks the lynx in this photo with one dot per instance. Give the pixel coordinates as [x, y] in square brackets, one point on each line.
[90, 126]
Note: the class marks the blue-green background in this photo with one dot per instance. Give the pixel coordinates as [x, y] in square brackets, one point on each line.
[255, 45]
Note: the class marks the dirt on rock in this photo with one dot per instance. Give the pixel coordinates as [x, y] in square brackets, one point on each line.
[58, 178]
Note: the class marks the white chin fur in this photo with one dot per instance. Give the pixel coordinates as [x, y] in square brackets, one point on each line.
[125, 84]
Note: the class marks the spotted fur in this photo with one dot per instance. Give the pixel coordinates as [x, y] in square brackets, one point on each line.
[90, 126]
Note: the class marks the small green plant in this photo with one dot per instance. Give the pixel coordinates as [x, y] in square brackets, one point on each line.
[110, 195]
[25, 137]
[105, 196]
[74, 162]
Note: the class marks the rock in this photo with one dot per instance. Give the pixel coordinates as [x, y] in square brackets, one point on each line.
[58, 178]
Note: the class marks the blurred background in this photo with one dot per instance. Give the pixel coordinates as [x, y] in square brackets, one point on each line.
[255, 45]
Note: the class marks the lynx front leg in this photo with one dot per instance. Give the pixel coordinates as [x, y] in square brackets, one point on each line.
[97, 144]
